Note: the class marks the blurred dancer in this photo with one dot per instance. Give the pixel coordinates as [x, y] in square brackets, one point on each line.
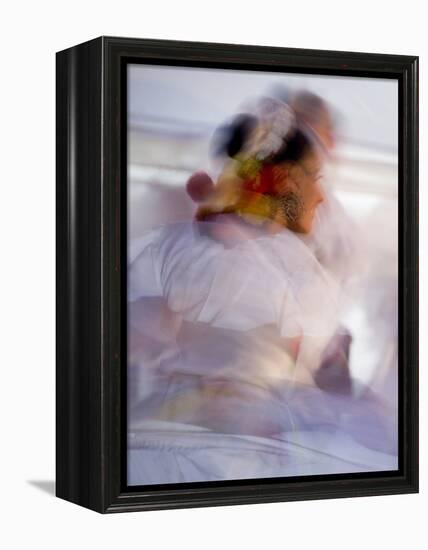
[230, 317]
[332, 235]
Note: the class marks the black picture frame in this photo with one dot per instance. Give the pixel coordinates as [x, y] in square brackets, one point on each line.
[91, 277]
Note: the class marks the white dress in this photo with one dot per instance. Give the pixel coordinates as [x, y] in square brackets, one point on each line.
[224, 342]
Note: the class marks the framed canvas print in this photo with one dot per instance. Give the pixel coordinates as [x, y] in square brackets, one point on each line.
[237, 292]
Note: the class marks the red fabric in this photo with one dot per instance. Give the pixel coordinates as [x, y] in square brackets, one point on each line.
[263, 183]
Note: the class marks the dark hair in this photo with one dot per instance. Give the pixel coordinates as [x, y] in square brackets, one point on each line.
[293, 149]
[230, 139]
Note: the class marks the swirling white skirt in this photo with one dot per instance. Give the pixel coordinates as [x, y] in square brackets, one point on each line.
[167, 452]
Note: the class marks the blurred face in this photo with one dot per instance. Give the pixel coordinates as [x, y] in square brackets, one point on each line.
[301, 192]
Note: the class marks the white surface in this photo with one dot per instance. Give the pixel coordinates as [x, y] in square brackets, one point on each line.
[31, 33]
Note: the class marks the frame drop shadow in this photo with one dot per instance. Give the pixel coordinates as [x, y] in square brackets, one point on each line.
[47, 486]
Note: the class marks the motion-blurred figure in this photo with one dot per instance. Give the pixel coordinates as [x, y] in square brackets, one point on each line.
[249, 310]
